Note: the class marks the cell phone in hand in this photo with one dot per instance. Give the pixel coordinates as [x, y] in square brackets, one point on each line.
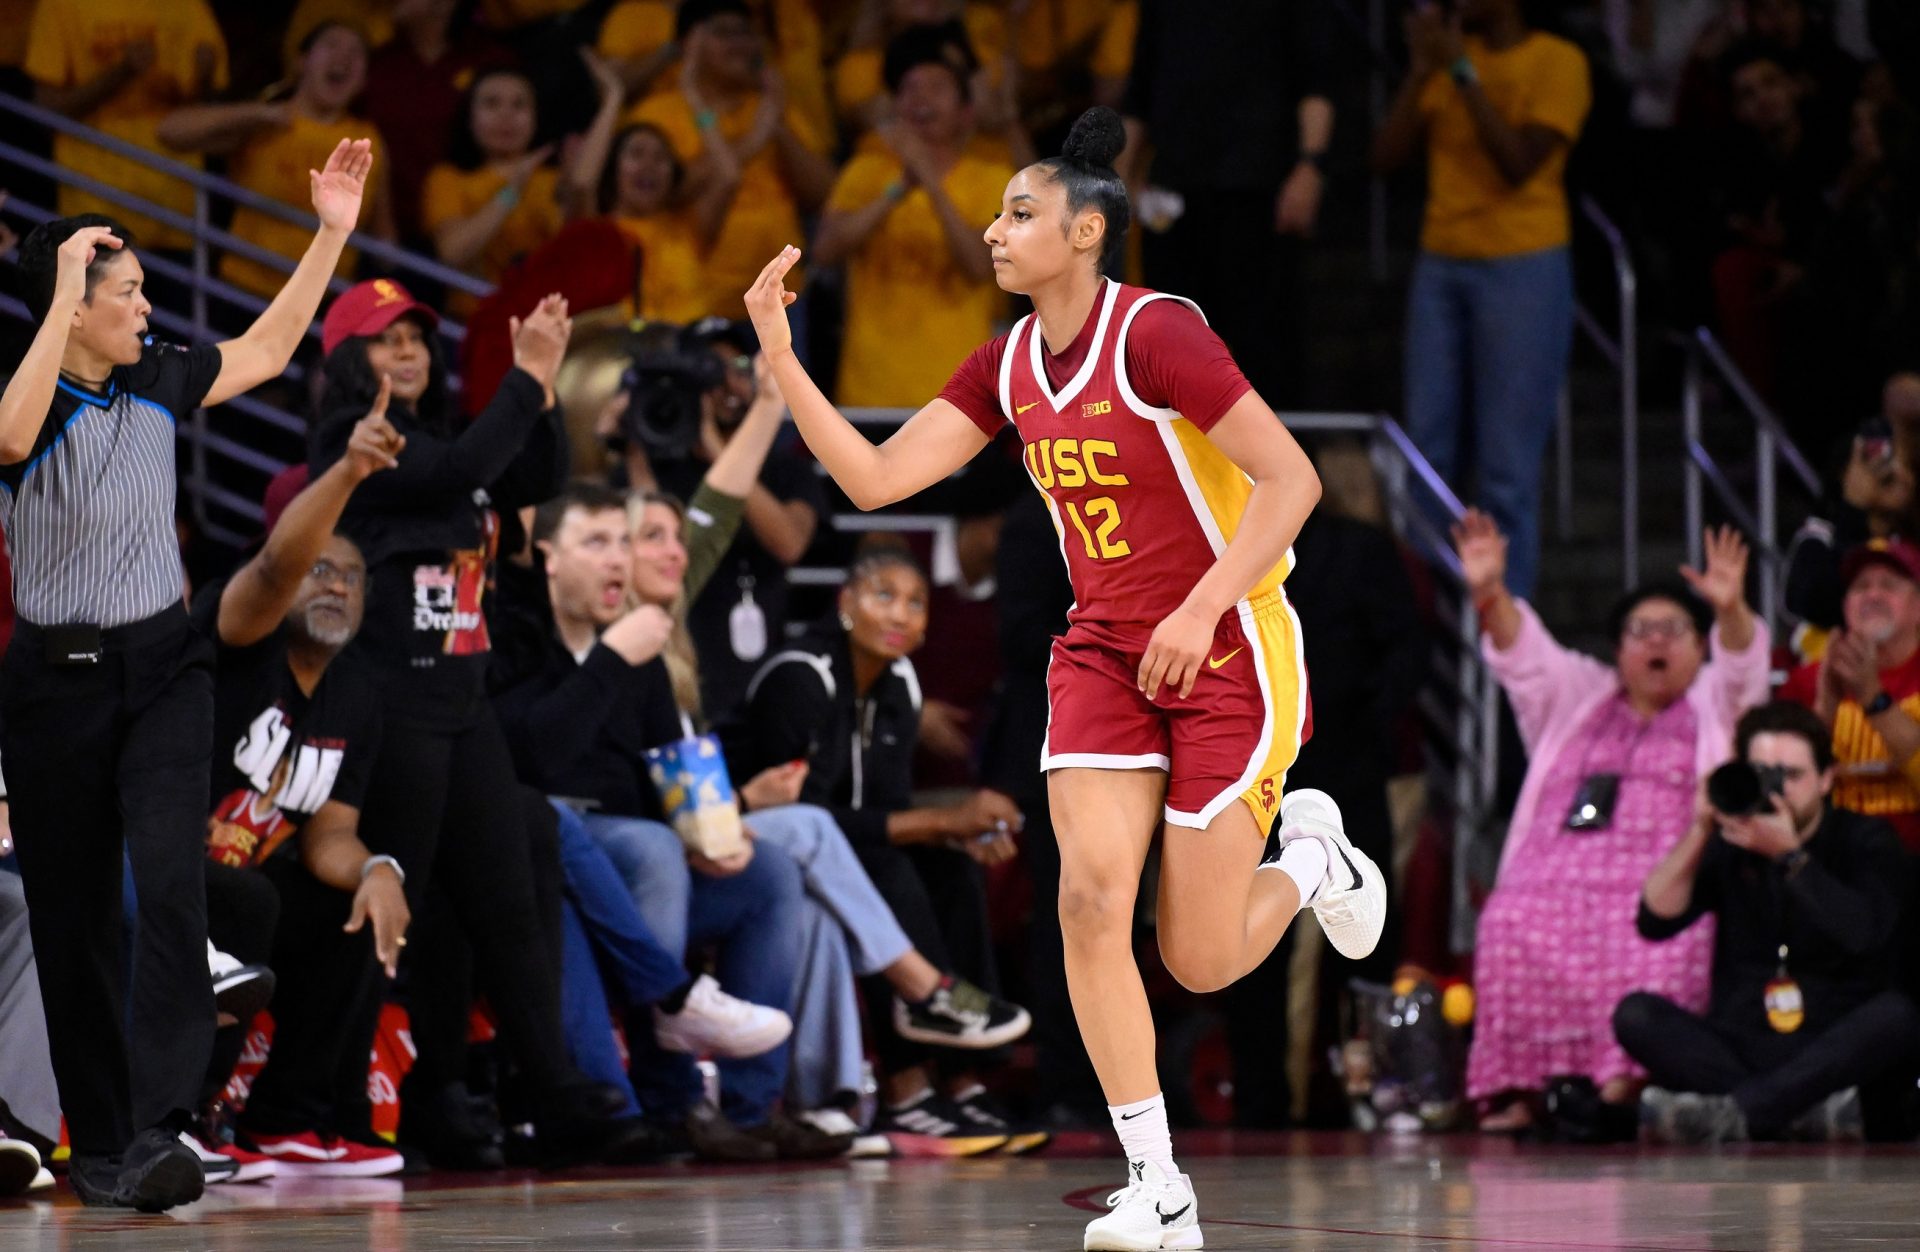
[1876, 441]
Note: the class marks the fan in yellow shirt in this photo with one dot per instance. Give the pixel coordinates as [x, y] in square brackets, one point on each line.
[908, 226]
[372, 18]
[638, 192]
[726, 97]
[120, 66]
[1074, 50]
[498, 199]
[859, 89]
[639, 37]
[270, 149]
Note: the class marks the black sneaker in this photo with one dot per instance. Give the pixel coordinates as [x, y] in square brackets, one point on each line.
[796, 1140]
[960, 1015]
[715, 1138]
[440, 1123]
[931, 1126]
[158, 1172]
[240, 991]
[982, 1111]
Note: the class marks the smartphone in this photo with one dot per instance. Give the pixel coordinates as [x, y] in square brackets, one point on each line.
[1876, 441]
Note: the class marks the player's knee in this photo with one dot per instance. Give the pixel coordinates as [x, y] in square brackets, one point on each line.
[1092, 908]
[1198, 971]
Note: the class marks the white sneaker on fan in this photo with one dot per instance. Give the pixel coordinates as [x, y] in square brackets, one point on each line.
[1151, 1212]
[1352, 903]
[713, 1023]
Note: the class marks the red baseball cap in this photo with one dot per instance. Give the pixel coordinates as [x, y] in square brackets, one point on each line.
[1896, 554]
[369, 308]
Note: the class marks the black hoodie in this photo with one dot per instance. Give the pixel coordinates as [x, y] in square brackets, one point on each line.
[429, 534]
[802, 705]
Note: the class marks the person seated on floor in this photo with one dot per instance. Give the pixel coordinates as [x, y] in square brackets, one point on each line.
[581, 701]
[1616, 753]
[846, 701]
[850, 929]
[1805, 1034]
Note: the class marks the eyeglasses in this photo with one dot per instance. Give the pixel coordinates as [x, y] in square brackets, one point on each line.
[1658, 628]
[326, 572]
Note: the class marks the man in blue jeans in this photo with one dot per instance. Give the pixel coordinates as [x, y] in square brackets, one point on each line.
[579, 713]
[1496, 107]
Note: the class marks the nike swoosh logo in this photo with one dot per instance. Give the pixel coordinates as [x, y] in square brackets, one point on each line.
[1127, 1117]
[1023, 408]
[1168, 1219]
[1213, 664]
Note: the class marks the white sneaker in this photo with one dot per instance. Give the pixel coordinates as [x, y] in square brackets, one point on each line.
[42, 1181]
[1352, 903]
[1151, 1212]
[713, 1023]
[19, 1166]
[238, 990]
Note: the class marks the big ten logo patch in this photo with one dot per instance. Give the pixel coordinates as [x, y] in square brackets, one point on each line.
[1095, 408]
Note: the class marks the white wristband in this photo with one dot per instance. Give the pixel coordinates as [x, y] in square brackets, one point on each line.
[367, 867]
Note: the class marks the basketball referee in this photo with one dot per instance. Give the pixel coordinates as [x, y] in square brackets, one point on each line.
[106, 696]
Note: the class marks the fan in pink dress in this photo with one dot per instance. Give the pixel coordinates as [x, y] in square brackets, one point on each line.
[1616, 756]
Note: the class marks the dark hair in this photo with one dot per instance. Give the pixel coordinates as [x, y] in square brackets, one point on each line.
[40, 258]
[944, 44]
[463, 149]
[312, 37]
[1784, 717]
[583, 494]
[1668, 589]
[349, 383]
[1085, 168]
[1749, 52]
[608, 195]
[694, 13]
[880, 552]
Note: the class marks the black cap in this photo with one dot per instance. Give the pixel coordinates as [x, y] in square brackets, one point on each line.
[708, 331]
[694, 13]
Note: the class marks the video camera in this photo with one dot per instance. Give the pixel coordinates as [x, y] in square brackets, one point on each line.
[670, 369]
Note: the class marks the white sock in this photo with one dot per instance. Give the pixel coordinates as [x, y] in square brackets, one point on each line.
[1304, 861]
[1143, 1132]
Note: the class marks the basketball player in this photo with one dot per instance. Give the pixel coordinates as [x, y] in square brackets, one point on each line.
[1178, 694]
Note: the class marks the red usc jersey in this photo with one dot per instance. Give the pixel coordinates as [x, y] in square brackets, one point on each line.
[1143, 502]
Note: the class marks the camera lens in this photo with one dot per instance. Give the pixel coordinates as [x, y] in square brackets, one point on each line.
[1735, 789]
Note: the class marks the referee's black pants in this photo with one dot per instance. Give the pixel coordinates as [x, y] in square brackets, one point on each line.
[99, 758]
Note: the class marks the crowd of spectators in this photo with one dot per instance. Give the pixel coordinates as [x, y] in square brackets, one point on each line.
[472, 688]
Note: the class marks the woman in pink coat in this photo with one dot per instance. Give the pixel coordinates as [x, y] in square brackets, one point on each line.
[1616, 756]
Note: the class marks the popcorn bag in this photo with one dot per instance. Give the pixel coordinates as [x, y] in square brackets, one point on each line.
[691, 777]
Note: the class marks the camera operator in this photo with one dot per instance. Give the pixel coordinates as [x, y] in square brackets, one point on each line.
[1807, 899]
[741, 616]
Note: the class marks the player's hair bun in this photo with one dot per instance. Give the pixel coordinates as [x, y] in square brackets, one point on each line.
[1096, 138]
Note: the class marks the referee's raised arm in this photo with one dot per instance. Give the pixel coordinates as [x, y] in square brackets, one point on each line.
[268, 345]
[81, 263]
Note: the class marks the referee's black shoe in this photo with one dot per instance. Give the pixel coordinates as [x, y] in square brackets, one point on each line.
[157, 1172]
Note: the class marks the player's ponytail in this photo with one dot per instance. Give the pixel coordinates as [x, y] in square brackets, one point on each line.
[1085, 169]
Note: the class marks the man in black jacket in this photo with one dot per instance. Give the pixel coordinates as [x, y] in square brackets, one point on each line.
[583, 694]
[1807, 899]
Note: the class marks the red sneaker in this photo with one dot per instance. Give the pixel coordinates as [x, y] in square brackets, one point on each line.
[254, 1166]
[307, 1155]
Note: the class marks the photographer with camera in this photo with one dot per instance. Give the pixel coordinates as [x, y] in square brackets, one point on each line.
[673, 434]
[1807, 900]
[1871, 497]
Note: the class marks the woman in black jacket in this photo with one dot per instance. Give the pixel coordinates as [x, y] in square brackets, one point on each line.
[846, 700]
[443, 798]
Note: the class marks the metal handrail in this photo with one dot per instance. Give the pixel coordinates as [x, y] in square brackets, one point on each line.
[1623, 351]
[1772, 446]
[202, 181]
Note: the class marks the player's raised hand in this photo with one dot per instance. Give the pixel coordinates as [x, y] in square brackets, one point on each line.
[1175, 652]
[767, 302]
[339, 188]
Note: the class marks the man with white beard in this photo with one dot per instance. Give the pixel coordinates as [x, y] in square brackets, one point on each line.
[1867, 687]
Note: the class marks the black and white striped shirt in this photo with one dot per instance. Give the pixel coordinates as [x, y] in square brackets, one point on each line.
[89, 515]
